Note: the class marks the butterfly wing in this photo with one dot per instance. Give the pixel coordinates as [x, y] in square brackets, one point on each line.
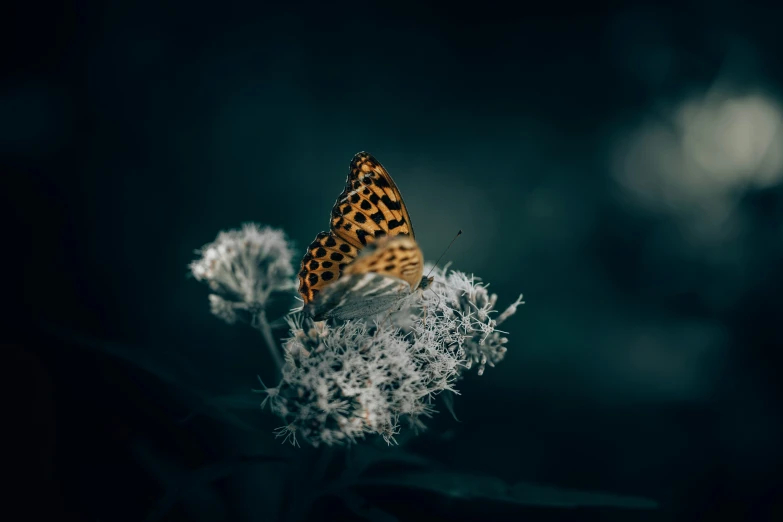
[398, 257]
[326, 258]
[358, 295]
[381, 276]
[370, 206]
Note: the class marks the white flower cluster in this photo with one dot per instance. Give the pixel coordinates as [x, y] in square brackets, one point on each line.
[343, 381]
[463, 311]
[243, 268]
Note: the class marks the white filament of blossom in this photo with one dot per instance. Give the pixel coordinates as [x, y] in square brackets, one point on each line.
[347, 380]
[243, 268]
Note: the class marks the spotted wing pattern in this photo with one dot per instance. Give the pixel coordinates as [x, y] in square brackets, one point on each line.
[396, 256]
[326, 258]
[370, 206]
[384, 273]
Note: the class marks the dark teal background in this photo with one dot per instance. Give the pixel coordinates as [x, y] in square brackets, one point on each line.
[646, 359]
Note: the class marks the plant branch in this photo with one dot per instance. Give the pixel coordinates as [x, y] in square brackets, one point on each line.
[262, 324]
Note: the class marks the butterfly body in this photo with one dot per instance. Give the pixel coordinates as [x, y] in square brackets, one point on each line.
[369, 260]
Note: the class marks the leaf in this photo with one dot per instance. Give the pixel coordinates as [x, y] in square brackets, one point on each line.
[358, 460]
[537, 494]
[193, 480]
[200, 502]
[455, 485]
[361, 507]
[248, 401]
[363, 457]
[197, 400]
[473, 486]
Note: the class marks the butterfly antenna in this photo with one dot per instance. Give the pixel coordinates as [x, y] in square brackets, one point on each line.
[459, 233]
[444, 252]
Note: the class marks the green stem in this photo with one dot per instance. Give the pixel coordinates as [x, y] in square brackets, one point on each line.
[262, 324]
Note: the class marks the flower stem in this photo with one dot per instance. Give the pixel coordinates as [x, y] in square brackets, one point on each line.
[262, 324]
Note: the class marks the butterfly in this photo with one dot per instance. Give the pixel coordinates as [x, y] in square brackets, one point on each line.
[369, 260]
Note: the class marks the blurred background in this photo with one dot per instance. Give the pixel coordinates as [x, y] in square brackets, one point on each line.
[620, 165]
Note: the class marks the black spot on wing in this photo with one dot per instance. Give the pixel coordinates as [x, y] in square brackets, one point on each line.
[314, 265]
[362, 235]
[377, 216]
[330, 241]
[327, 276]
[360, 218]
[313, 278]
[396, 223]
[393, 205]
[337, 256]
[320, 252]
[345, 247]
[365, 204]
[327, 264]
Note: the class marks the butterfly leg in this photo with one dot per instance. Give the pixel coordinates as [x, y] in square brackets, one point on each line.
[439, 298]
[391, 311]
[437, 304]
[383, 321]
[387, 317]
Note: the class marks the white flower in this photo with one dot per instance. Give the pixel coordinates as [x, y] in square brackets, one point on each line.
[288, 433]
[243, 268]
[342, 381]
[223, 309]
[463, 308]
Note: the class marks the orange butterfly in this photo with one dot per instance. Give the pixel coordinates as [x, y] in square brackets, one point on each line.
[369, 260]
